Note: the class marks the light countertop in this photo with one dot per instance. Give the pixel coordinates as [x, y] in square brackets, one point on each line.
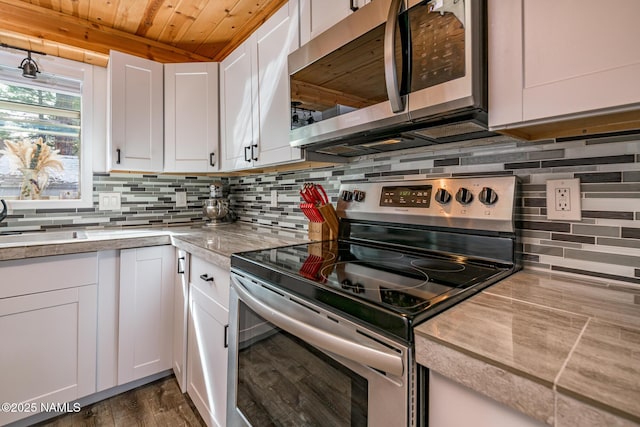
[214, 244]
[555, 347]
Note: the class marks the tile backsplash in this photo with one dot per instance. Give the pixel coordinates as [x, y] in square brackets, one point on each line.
[605, 243]
[146, 200]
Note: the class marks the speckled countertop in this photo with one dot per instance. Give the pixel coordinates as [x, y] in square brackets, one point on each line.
[563, 350]
[215, 244]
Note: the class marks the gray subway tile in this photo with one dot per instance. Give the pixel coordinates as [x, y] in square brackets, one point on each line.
[624, 243]
[630, 233]
[603, 257]
[608, 215]
[599, 177]
[545, 155]
[544, 250]
[573, 238]
[631, 176]
[600, 160]
[596, 230]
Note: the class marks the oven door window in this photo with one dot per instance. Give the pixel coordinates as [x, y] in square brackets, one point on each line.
[282, 381]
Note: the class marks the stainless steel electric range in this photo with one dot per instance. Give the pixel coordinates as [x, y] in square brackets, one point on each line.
[322, 333]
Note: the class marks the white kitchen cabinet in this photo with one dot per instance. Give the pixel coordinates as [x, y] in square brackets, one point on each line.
[191, 117]
[180, 317]
[146, 312]
[559, 68]
[317, 16]
[48, 320]
[236, 109]
[254, 96]
[207, 340]
[447, 398]
[274, 41]
[136, 113]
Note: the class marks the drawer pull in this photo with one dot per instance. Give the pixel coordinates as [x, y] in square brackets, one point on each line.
[206, 278]
[181, 265]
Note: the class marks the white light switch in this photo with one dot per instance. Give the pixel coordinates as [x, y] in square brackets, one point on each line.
[109, 201]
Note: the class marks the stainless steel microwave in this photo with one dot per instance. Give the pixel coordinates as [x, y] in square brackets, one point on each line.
[394, 74]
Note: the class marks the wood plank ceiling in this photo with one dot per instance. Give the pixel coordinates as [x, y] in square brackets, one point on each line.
[162, 30]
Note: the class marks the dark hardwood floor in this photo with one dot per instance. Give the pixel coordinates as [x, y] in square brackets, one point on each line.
[158, 404]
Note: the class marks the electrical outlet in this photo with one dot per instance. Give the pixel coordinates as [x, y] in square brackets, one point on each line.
[274, 198]
[563, 199]
[181, 199]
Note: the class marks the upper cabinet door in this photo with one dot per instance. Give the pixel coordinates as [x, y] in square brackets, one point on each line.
[191, 117]
[563, 68]
[236, 121]
[136, 112]
[579, 57]
[317, 16]
[274, 41]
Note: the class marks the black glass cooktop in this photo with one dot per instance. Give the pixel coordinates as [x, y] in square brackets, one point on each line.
[389, 289]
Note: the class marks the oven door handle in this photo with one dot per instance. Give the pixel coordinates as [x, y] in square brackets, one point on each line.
[385, 361]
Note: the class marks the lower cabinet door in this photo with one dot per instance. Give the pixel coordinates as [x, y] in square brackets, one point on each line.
[146, 312]
[207, 357]
[48, 349]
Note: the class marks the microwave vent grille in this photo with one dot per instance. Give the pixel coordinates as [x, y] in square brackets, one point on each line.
[450, 130]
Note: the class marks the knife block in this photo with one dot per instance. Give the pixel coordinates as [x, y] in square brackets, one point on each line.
[318, 231]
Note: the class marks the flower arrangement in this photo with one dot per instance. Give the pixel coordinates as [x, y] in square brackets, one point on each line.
[35, 160]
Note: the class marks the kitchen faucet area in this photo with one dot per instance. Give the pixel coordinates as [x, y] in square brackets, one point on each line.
[420, 213]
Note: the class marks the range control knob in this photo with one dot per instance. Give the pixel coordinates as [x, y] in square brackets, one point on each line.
[488, 196]
[358, 195]
[442, 196]
[464, 196]
[347, 195]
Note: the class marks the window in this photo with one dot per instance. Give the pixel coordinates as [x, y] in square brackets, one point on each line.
[44, 156]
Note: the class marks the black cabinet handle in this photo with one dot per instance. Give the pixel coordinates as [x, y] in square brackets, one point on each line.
[352, 5]
[206, 278]
[253, 155]
[246, 153]
[118, 156]
[211, 157]
[226, 336]
[180, 259]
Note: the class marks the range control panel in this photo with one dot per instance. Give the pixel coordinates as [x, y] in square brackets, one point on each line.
[417, 196]
[485, 203]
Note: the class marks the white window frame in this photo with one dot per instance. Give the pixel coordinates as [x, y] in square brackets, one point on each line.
[75, 70]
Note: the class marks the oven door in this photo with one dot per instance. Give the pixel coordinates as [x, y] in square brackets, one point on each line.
[292, 363]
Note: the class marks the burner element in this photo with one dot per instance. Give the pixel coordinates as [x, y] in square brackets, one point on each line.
[358, 276]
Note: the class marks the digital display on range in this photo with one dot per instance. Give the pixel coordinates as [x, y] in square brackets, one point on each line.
[411, 196]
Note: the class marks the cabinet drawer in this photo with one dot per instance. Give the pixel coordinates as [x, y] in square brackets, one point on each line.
[31, 275]
[210, 279]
